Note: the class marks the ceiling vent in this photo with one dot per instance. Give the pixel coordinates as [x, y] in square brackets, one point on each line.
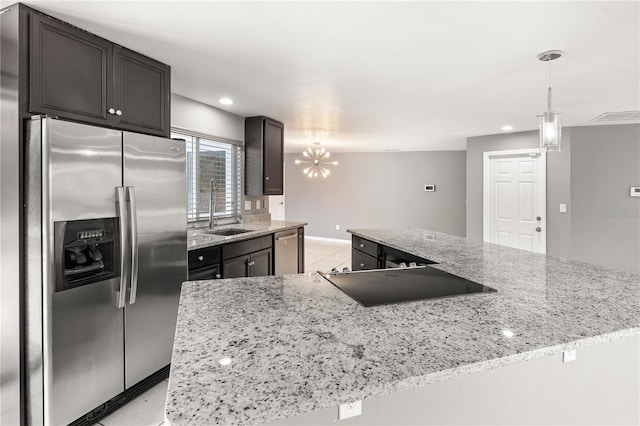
[618, 116]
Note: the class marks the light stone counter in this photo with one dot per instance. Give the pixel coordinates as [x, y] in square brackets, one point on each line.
[296, 343]
[198, 238]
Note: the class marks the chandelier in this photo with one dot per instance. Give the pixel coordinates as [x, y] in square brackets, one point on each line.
[317, 161]
[550, 129]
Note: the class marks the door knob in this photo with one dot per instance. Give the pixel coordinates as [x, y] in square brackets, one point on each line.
[111, 111]
[538, 218]
[538, 229]
[118, 112]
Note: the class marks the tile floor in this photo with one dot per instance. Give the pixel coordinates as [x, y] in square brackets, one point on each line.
[148, 408]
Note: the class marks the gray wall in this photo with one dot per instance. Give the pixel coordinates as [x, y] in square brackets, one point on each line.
[379, 189]
[558, 184]
[208, 120]
[605, 229]
[592, 175]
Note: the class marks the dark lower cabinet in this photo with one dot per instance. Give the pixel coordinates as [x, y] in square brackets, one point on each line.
[80, 76]
[365, 254]
[361, 261]
[301, 250]
[204, 263]
[256, 264]
[261, 263]
[237, 267]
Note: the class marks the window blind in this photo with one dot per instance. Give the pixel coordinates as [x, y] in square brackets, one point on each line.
[211, 159]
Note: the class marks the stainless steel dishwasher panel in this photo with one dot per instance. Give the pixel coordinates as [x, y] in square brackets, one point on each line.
[286, 252]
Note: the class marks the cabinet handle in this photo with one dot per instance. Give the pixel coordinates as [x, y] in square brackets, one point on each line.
[362, 265]
[217, 276]
[118, 112]
[361, 245]
[200, 258]
[111, 111]
[266, 178]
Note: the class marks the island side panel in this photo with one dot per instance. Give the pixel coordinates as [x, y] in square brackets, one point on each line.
[602, 386]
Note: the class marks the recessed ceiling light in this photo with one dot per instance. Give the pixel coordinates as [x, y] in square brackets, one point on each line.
[226, 101]
[507, 128]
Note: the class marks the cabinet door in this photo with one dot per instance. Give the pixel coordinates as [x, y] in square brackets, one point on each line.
[141, 93]
[273, 157]
[361, 261]
[237, 267]
[262, 263]
[210, 273]
[301, 250]
[69, 72]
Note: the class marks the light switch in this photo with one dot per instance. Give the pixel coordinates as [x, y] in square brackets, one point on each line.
[563, 208]
[257, 204]
[247, 205]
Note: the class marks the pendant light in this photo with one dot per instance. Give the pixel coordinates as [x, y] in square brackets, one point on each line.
[317, 160]
[550, 129]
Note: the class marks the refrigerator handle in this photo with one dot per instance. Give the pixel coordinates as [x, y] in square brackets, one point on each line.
[124, 226]
[131, 199]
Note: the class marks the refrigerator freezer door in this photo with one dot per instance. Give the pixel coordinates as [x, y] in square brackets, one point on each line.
[87, 364]
[155, 168]
[83, 342]
[85, 168]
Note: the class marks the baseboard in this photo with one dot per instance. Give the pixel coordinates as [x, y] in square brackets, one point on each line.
[328, 240]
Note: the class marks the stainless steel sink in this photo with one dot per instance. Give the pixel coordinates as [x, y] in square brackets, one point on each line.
[228, 231]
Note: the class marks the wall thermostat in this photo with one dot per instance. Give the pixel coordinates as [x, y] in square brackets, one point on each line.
[634, 191]
[430, 188]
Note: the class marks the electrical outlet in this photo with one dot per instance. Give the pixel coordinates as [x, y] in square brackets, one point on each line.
[568, 356]
[563, 208]
[350, 409]
[257, 204]
[337, 227]
[247, 205]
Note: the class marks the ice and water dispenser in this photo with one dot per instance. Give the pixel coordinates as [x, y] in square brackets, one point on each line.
[86, 251]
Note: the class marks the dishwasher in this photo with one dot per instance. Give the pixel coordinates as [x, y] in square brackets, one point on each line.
[286, 252]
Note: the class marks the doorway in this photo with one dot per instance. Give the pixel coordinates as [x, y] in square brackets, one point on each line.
[276, 207]
[514, 199]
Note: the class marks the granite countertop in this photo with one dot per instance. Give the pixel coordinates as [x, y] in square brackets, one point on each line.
[198, 238]
[259, 349]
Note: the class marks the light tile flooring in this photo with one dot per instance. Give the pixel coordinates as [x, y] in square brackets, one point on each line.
[148, 408]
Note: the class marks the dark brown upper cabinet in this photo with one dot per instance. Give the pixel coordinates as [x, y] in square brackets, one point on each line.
[79, 76]
[264, 156]
[142, 92]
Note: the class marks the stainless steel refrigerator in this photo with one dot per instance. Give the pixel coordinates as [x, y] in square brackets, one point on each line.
[106, 256]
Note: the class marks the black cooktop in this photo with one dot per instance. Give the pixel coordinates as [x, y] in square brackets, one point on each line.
[384, 286]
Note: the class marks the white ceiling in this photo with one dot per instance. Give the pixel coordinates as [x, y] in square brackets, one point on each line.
[370, 76]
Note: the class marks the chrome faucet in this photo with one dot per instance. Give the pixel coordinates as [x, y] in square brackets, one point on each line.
[212, 204]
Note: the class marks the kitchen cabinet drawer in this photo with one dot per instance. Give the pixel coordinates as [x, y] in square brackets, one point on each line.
[366, 246]
[360, 261]
[79, 76]
[245, 247]
[264, 156]
[203, 257]
[210, 273]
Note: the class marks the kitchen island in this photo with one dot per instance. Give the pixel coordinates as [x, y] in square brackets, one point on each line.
[265, 349]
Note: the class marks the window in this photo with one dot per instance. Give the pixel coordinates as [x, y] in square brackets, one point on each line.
[211, 158]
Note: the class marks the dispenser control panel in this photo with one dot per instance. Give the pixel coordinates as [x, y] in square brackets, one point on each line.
[87, 235]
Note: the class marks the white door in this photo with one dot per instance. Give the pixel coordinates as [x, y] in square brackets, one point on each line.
[515, 199]
[276, 207]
